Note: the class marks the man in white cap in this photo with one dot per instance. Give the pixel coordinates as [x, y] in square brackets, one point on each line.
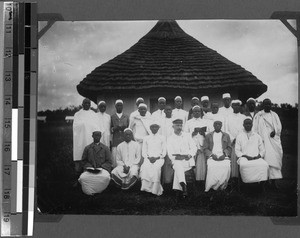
[234, 126]
[198, 128]
[267, 124]
[181, 150]
[195, 101]
[126, 173]
[154, 152]
[96, 161]
[250, 150]
[226, 109]
[250, 110]
[205, 105]
[178, 112]
[119, 121]
[159, 115]
[136, 112]
[85, 123]
[140, 125]
[217, 150]
[104, 120]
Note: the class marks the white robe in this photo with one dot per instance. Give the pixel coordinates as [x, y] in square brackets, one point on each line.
[159, 116]
[104, 121]
[85, 123]
[225, 111]
[153, 146]
[167, 127]
[137, 113]
[213, 117]
[251, 144]
[264, 123]
[180, 113]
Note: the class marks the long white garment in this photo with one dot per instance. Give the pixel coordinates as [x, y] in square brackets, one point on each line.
[234, 124]
[85, 123]
[137, 113]
[225, 111]
[251, 144]
[167, 127]
[213, 117]
[94, 183]
[182, 144]
[180, 113]
[159, 116]
[264, 123]
[104, 121]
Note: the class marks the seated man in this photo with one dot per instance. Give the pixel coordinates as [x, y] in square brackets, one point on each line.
[217, 151]
[181, 151]
[154, 151]
[250, 150]
[128, 157]
[96, 160]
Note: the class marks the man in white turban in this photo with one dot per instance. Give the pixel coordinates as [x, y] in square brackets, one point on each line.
[104, 121]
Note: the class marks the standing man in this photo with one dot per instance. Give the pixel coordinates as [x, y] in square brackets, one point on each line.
[104, 120]
[126, 173]
[96, 160]
[136, 112]
[214, 115]
[226, 109]
[250, 151]
[159, 115]
[85, 123]
[217, 151]
[267, 124]
[205, 105]
[195, 101]
[178, 112]
[154, 152]
[119, 121]
[250, 111]
[181, 151]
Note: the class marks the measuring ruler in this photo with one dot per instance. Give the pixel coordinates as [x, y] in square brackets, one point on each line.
[19, 107]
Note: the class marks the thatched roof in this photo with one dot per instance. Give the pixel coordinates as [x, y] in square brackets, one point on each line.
[168, 59]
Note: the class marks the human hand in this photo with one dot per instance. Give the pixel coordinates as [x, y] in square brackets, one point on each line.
[272, 134]
[222, 157]
[194, 133]
[126, 169]
[214, 157]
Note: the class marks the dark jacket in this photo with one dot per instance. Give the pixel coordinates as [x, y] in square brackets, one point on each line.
[97, 156]
[117, 128]
[209, 144]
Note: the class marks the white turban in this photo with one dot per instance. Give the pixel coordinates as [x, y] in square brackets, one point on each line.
[142, 105]
[226, 95]
[178, 97]
[204, 98]
[161, 99]
[118, 101]
[101, 102]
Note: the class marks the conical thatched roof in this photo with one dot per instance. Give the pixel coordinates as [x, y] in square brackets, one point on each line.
[168, 59]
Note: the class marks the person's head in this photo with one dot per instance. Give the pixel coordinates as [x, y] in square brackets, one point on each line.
[178, 102]
[154, 127]
[96, 136]
[161, 103]
[214, 108]
[119, 106]
[139, 101]
[196, 111]
[142, 109]
[217, 126]
[267, 105]
[86, 104]
[251, 104]
[128, 135]
[205, 101]
[195, 101]
[168, 111]
[248, 124]
[236, 106]
[177, 126]
[226, 100]
[102, 106]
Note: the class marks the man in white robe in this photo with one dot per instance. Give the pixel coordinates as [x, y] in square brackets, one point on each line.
[159, 115]
[250, 108]
[85, 123]
[217, 151]
[178, 112]
[205, 105]
[181, 150]
[267, 124]
[96, 161]
[226, 109]
[126, 173]
[250, 151]
[104, 120]
[214, 115]
[136, 112]
[195, 101]
[154, 152]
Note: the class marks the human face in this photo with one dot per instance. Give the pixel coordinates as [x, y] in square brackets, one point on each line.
[196, 112]
[154, 129]
[119, 107]
[178, 103]
[161, 105]
[194, 102]
[168, 111]
[247, 124]
[102, 107]
[177, 128]
[142, 111]
[205, 103]
[96, 136]
[217, 126]
[214, 108]
[128, 136]
[267, 105]
[236, 107]
[86, 104]
[251, 106]
[227, 102]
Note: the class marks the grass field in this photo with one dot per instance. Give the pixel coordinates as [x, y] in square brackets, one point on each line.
[57, 194]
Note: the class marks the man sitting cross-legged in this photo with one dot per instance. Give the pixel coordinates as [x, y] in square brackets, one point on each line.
[128, 157]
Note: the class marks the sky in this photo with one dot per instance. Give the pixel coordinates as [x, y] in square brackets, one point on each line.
[69, 51]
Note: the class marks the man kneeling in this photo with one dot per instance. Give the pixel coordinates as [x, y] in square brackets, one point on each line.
[96, 160]
[250, 150]
[128, 157]
[217, 150]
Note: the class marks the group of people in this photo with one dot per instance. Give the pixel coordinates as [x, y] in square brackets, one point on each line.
[216, 143]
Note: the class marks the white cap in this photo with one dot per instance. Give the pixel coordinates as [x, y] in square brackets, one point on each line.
[226, 95]
[101, 102]
[203, 98]
[127, 129]
[142, 105]
[251, 99]
[139, 99]
[195, 107]
[236, 102]
[118, 101]
[195, 98]
[247, 117]
[177, 97]
[161, 99]
[155, 122]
